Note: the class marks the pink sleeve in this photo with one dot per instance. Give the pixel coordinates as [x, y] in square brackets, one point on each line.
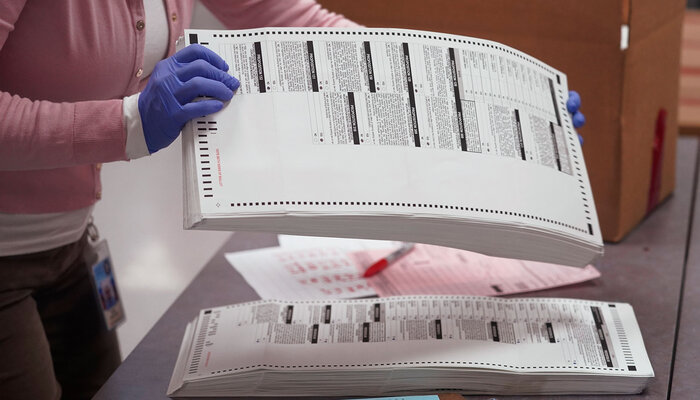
[43, 134]
[260, 13]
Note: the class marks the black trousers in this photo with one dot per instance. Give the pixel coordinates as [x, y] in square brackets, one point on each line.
[53, 343]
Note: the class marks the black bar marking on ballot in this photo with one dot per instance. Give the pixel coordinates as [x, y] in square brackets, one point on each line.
[193, 38]
[590, 229]
[370, 68]
[327, 314]
[458, 100]
[598, 318]
[314, 333]
[554, 101]
[631, 368]
[494, 331]
[353, 118]
[377, 312]
[207, 312]
[365, 332]
[288, 315]
[519, 135]
[558, 80]
[411, 96]
[312, 65]
[554, 145]
[260, 67]
[496, 288]
[438, 329]
[550, 332]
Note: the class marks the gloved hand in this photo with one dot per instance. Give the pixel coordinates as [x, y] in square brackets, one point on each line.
[165, 105]
[573, 104]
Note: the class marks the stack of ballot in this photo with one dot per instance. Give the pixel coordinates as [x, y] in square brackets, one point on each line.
[412, 345]
[392, 134]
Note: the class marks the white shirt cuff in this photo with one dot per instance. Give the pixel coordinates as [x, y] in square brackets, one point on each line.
[135, 140]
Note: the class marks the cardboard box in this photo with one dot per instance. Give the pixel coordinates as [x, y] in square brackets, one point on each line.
[624, 86]
[689, 106]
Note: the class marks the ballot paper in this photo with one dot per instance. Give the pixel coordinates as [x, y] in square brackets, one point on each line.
[310, 273]
[412, 345]
[442, 270]
[336, 272]
[391, 134]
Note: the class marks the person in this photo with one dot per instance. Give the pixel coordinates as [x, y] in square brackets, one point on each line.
[84, 83]
[81, 84]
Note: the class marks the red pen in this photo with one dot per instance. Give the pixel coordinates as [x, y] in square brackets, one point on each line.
[380, 265]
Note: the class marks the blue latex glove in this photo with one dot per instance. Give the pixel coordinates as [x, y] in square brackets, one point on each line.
[573, 104]
[165, 105]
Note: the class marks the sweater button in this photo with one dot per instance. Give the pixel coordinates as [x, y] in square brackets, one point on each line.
[139, 72]
[173, 17]
[98, 195]
[140, 25]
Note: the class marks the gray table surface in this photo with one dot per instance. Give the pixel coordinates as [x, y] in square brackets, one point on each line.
[685, 383]
[657, 264]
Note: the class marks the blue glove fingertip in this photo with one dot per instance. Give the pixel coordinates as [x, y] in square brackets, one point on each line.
[580, 139]
[233, 83]
[215, 107]
[574, 101]
[579, 119]
[201, 108]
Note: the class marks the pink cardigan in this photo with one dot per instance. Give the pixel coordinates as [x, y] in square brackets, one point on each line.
[64, 69]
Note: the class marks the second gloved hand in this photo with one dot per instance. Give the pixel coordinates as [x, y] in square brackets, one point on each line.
[573, 103]
[165, 105]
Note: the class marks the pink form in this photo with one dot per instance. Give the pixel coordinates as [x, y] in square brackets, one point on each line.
[442, 270]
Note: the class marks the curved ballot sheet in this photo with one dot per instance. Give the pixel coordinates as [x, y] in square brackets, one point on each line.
[392, 134]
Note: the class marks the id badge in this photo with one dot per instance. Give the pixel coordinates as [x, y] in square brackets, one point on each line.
[105, 286]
